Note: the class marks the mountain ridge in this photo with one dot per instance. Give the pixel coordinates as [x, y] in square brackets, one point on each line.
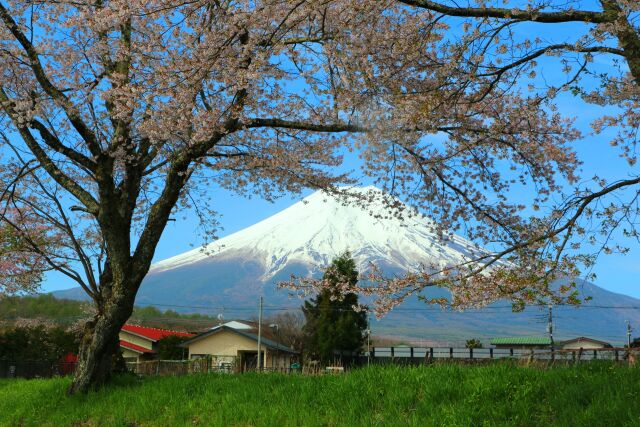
[325, 227]
[231, 273]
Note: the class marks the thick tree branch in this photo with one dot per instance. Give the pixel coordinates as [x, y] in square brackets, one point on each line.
[58, 96]
[612, 13]
[68, 228]
[514, 14]
[47, 163]
[581, 204]
[177, 176]
[301, 125]
[628, 36]
[55, 144]
[9, 196]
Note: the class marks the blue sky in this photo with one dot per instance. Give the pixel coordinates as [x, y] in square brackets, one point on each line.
[617, 273]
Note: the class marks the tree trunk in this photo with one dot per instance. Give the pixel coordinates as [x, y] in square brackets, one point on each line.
[99, 356]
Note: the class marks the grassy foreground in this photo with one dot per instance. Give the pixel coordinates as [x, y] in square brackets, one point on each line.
[501, 394]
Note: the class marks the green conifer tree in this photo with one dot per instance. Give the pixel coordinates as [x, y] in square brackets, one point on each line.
[332, 325]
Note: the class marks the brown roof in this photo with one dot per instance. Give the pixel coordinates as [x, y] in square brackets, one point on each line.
[604, 343]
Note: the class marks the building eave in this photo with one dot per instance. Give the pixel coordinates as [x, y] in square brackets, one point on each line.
[135, 348]
[139, 336]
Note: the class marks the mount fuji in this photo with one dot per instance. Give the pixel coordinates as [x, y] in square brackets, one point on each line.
[229, 275]
[317, 229]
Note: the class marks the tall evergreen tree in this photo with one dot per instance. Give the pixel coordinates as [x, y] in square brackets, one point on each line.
[332, 324]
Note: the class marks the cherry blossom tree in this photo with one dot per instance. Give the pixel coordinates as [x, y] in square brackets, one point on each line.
[117, 114]
[504, 46]
[516, 52]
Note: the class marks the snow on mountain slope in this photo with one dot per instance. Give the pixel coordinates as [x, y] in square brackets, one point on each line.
[318, 228]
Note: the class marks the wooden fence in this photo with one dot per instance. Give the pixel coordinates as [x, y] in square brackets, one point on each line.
[192, 366]
[391, 355]
[379, 355]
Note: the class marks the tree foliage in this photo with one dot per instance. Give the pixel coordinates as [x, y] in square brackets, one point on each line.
[557, 53]
[37, 343]
[530, 56]
[168, 348]
[334, 321]
[45, 307]
[473, 343]
[62, 312]
[287, 329]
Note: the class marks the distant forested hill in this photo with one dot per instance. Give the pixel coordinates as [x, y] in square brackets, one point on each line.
[58, 311]
[44, 307]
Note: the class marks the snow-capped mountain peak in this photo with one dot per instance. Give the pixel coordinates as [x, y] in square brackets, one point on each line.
[318, 228]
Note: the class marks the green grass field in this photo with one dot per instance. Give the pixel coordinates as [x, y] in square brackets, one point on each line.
[500, 394]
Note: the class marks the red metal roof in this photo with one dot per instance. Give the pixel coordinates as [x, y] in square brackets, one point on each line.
[135, 347]
[153, 334]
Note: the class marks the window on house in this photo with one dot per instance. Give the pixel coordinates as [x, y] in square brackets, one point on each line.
[199, 356]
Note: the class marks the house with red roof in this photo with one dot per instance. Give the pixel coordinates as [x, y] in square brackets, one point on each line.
[140, 342]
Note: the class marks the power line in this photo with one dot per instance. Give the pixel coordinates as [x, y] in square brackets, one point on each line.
[426, 308]
[490, 308]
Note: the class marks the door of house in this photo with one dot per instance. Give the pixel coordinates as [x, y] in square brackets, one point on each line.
[249, 361]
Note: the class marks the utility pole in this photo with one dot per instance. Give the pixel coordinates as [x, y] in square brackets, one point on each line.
[550, 326]
[260, 337]
[628, 334]
[369, 341]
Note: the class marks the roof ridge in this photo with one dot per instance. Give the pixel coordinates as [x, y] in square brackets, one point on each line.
[157, 329]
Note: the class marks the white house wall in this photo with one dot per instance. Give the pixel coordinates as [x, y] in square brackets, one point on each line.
[576, 345]
[135, 339]
[222, 343]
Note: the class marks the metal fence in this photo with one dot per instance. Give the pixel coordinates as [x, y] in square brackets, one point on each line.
[421, 354]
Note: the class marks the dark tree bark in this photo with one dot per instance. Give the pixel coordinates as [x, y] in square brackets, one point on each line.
[99, 355]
